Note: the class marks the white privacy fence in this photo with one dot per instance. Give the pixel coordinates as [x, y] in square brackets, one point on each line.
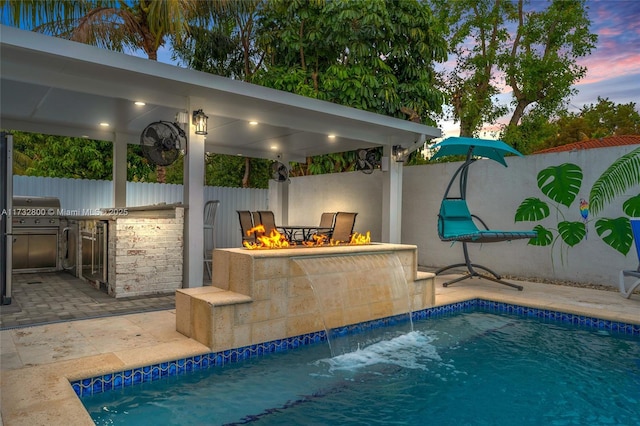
[79, 194]
[494, 193]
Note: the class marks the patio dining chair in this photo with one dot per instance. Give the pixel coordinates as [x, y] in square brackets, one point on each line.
[268, 220]
[343, 226]
[246, 223]
[210, 209]
[326, 220]
[257, 221]
[325, 228]
[624, 290]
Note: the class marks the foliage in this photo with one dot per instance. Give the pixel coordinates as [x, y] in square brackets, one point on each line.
[139, 169]
[476, 31]
[540, 65]
[537, 61]
[228, 170]
[605, 118]
[376, 56]
[76, 158]
[222, 40]
[530, 135]
[114, 25]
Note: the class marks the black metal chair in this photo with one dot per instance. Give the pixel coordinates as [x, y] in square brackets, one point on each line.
[209, 244]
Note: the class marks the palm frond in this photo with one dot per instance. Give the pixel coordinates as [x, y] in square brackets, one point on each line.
[623, 174]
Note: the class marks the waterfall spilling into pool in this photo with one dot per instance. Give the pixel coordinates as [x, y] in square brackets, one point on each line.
[262, 296]
[352, 289]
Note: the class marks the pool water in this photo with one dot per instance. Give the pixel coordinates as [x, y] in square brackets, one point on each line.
[470, 368]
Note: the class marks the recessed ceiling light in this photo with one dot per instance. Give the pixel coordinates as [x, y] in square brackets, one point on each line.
[85, 136]
[253, 123]
[332, 136]
[139, 103]
[104, 124]
[274, 147]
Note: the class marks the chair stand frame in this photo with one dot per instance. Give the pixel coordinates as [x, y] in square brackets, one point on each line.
[463, 172]
[472, 272]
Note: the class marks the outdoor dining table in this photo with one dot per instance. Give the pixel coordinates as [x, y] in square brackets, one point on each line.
[294, 232]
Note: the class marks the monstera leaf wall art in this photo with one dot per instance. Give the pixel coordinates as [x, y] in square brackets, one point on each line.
[561, 185]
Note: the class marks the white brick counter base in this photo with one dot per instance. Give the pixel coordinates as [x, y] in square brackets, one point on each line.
[145, 253]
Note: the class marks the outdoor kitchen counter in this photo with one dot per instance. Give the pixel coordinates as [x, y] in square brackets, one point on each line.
[156, 211]
[114, 213]
[129, 251]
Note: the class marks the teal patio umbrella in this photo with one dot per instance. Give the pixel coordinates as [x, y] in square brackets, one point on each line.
[472, 147]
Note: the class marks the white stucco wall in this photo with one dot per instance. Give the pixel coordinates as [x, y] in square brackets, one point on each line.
[494, 193]
[310, 196]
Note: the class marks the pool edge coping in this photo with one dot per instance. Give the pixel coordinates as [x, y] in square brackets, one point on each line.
[136, 375]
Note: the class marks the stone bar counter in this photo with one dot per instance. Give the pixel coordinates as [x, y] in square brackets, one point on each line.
[129, 251]
[264, 295]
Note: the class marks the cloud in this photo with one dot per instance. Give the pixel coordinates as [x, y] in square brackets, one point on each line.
[620, 89]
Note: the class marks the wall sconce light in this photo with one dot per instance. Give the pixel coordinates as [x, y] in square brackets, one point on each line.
[200, 121]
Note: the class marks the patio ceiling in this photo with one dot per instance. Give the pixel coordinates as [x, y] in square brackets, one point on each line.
[55, 86]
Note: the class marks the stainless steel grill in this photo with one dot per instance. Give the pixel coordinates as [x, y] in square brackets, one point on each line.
[36, 231]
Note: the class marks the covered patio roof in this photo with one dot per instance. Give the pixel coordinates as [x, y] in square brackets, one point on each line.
[55, 86]
[58, 87]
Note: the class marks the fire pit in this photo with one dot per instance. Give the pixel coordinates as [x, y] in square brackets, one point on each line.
[277, 240]
[264, 295]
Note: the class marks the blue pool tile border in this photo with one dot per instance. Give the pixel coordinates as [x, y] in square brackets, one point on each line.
[118, 380]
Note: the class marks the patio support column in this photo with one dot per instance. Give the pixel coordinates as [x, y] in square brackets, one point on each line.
[391, 199]
[193, 266]
[119, 171]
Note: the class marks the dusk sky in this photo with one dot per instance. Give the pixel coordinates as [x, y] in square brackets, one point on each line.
[613, 68]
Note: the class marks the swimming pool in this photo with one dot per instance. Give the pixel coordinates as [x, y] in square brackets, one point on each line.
[472, 367]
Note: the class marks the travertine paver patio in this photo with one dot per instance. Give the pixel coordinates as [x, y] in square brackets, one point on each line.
[43, 298]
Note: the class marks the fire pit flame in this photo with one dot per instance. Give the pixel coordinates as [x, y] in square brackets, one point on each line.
[273, 240]
[276, 240]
